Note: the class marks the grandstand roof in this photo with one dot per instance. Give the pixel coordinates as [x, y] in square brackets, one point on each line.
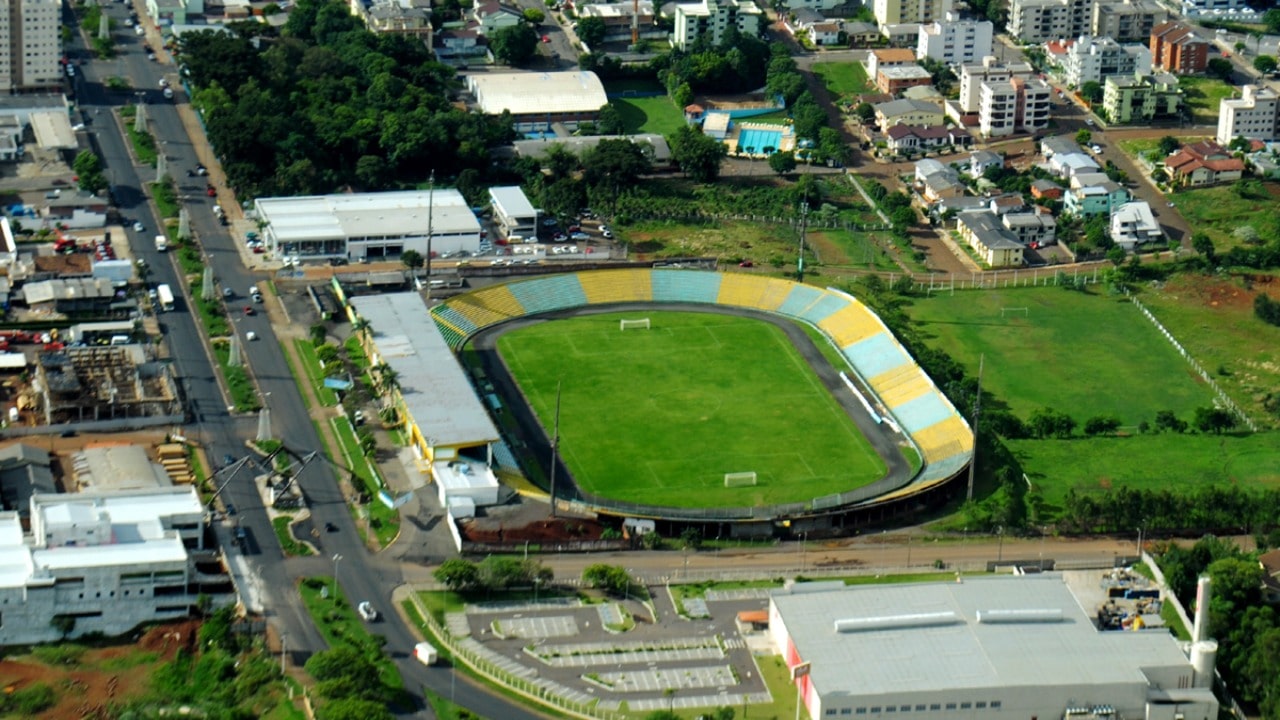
[436, 392]
[341, 217]
[537, 93]
[928, 638]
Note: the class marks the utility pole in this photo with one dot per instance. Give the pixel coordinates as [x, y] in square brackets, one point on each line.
[804, 221]
[555, 443]
[977, 412]
[431, 210]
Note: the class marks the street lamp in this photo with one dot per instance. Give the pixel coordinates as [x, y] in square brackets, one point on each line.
[284, 637]
[1000, 555]
[336, 559]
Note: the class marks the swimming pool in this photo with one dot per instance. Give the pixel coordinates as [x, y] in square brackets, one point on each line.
[756, 140]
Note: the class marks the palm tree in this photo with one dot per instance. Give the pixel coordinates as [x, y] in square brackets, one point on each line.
[360, 326]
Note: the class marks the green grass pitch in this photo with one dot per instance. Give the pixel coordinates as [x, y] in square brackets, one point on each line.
[1084, 354]
[659, 416]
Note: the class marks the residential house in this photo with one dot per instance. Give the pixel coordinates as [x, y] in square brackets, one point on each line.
[959, 204]
[1068, 165]
[1033, 229]
[1127, 20]
[1055, 52]
[906, 139]
[926, 93]
[990, 239]
[77, 210]
[1058, 145]
[456, 46]
[1093, 59]
[1176, 48]
[1133, 224]
[953, 41]
[894, 12]
[894, 80]
[1265, 159]
[1093, 194]
[712, 18]
[492, 16]
[888, 57]
[862, 34]
[1046, 190]
[916, 113]
[411, 18]
[617, 18]
[935, 181]
[980, 160]
[1141, 98]
[901, 35]
[1254, 115]
[825, 33]
[1017, 105]
[1203, 163]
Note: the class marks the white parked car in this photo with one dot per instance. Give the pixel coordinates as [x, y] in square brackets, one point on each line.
[139, 227]
[251, 336]
[1097, 150]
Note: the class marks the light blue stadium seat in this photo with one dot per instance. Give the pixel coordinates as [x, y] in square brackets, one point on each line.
[875, 355]
[549, 294]
[920, 413]
[829, 305]
[686, 286]
[801, 297]
[455, 318]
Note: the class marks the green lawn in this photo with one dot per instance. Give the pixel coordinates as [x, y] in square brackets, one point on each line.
[384, 521]
[1144, 462]
[843, 79]
[244, 394]
[1216, 211]
[854, 249]
[313, 373]
[1203, 94]
[336, 619]
[659, 416]
[1084, 354]
[288, 543]
[622, 86]
[649, 114]
[1148, 147]
[730, 241]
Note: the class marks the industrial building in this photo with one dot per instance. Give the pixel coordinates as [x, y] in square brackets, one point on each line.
[368, 226]
[105, 563]
[991, 648]
[513, 213]
[538, 100]
[31, 41]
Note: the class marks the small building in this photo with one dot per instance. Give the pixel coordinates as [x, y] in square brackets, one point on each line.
[893, 80]
[901, 35]
[989, 239]
[617, 18]
[77, 210]
[539, 100]
[862, 34]
[1034, 229]
[980, 160]
[1255, 115]
[491, 16]
[1067, 165]
[888, 57]
[1133, 224]
[1203, 163]
[1141, 98]
[935, 181]
[1058, 145]
[1046, 190]
[73, 296]
[914, 113]
[824, 33]
[904, 139]
[25, 471]
[1088, 196]
[1176, 48]
[458, 45]
[513, 212]
[411, 18]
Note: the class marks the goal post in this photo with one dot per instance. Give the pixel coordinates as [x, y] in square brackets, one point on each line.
[641, 324]
[739, 479]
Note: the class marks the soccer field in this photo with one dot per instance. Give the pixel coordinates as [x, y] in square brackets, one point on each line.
[659, 416]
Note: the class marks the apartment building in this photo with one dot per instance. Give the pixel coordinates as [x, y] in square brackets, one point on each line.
[1039, 21]
[1254, 115]
[1092, 59]
[711, 18]
[954, 41]
[895, 12]
[1177, 49]
[1237, 10]
[1128, 20]
[1141, 98]
[29, 35]
[1017, 105]
[973, 75]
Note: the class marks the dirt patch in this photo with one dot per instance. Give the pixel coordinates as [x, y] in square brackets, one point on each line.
[523, 521]
[86, 686]
[1233, 294]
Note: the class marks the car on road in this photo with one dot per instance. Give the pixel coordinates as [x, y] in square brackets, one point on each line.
[330, 527]
[211, 191]
[746, 264]
[1097, 149]
[139, 227]
[1089, 122]
[546, 38]
[1172, 205]
[251, 336]
[201, 170]
[139, 30]
[228, 459]
[607, 234]
[366, 611]
[248, 310]
[231, 509]
[164, 83]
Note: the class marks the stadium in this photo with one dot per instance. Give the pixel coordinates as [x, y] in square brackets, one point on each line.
[861, 434]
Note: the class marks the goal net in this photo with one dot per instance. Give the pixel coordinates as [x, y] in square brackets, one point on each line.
[642, 324]
[739, 479]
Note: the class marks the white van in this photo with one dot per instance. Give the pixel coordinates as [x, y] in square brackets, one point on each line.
[425, 653]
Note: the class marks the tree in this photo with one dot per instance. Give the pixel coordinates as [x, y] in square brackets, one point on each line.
[534, 16]
[514, 45]
[1203, 244]
[614, 165]
[1266, 309]
[88, 167]
[782, 162]
[682, 96]
[1272, 20]
[1265, 64]
[457, 574]
[591, 31]
[1166, 420]
[1116, 255]
[609, 578]
[865, 112]
[610, 121]
[501, 573]
[1084, 137]
[1091, 91]
[1101, 425]
[1214, 420]
[698, 155]
[1169, 145]
[353, 709]
[412, 259]
[1219, 68]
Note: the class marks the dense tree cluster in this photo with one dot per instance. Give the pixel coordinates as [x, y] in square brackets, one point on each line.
[737, 64]
[329, 104]
[1266, 309]
[493, 573]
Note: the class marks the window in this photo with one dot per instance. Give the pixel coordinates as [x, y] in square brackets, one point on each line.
[891, 709]
[966, 705]
[875, 708]
[951, 706]
[860, 711]
[920, 708]
[995, 704]
[934, 707]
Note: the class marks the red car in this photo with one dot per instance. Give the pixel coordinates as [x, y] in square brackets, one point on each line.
[546, 38]
[248, 310]
[211, 191]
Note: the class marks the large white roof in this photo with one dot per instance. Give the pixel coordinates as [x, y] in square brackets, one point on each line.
[945, 647]
[373, 215]
[538, 93]
[436, 392]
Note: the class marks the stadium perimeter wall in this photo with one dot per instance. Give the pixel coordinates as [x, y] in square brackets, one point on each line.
[901, 396]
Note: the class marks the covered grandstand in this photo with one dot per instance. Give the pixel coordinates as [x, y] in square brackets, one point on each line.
[904, 397]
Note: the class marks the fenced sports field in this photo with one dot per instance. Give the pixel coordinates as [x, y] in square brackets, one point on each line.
[659, 416]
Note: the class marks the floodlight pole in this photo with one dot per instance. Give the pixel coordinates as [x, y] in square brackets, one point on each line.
[555, 442]
[431, 208]
[804, 221]
[977, 412]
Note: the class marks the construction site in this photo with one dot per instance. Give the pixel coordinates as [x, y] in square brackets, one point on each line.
[76, 385]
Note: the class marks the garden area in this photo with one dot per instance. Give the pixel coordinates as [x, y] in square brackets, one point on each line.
[1203, 94]
[844, 80]
[655, 114]
[1221, 211]
[354, 672]
[144, 145]
[244, 394]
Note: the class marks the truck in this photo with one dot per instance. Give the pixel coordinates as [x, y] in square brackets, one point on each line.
[425, 653]
[162, 243]
[164, 295]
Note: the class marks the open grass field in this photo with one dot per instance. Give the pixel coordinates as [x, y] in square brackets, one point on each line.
[649, 114]
[1213, 318]
[1084, 354]
[1216, 211]
[1203, 94]
[762, 243]
[659, 416]
[843, 79]
[1148, 147]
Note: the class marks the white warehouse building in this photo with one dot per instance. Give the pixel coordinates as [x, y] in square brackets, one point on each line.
[105, 562]
[368, 226]
[538, 100]
[991, 649]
